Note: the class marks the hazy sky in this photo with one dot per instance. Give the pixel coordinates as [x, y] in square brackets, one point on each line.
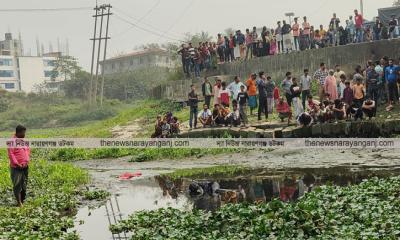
[175, 17]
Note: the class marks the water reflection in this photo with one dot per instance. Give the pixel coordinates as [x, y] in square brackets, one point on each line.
[132, 196]
[261, 186]
[209, 194]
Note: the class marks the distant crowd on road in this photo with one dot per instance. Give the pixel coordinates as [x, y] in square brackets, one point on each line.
[284, 38]
[337, 96]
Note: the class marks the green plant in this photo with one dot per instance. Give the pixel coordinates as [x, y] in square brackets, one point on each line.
[51, 202]
[209, 172]
[96, 195]
[369, 210]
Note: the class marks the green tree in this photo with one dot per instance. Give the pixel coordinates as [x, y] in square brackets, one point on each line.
[198, 37]
[4, 102]
[67, 66]
[78, 87]
[396, 3]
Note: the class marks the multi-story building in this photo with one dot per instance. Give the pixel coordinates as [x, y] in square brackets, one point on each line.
[10, 49]
[10, 46]
[136, 60]
[37, 70]
[24, 73]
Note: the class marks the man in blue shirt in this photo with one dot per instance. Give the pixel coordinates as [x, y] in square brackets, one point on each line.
[391, 76]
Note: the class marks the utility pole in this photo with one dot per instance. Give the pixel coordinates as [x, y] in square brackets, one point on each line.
[105, 54]
[101, 11]
[93, 52]
[362, 7]
[98, 55]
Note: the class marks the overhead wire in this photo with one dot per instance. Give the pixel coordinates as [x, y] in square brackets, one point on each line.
[44, 9]
[144, 23]
[140, 19]
[178, 19]
[145, 29]
[149, 11]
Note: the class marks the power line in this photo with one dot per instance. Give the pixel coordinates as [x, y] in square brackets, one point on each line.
[175, 35]
[178, 19]
[140, 19]
[149, 11]
[45, 9]
[146, 30]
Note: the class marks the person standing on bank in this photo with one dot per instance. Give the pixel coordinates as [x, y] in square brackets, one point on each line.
[262, 96]
[296, 34]
[193, 104]
[207, 91]
[305, 86]
[286, 84]
[19, 161]
[320, 75]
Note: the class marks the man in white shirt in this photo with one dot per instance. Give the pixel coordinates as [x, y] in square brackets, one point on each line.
[234, 87]
[205, 116]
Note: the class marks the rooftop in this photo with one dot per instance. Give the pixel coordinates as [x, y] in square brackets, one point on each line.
[140, 53]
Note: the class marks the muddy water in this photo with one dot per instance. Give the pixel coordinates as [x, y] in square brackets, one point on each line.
[128, 197]
[279, 174]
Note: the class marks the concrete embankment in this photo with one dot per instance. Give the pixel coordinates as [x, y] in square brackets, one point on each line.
[356, 129]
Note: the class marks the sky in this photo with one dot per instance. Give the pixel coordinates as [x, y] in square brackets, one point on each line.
[164, 20]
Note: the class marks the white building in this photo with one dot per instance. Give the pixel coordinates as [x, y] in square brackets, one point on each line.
[23, 73]
[36, 70]
[136, 60]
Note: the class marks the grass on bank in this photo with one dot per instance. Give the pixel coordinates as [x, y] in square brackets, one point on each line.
[50, 206]
[208, 172]
[122, 114]
[370, 210]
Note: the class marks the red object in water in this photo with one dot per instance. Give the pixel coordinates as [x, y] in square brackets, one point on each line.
[127, 175]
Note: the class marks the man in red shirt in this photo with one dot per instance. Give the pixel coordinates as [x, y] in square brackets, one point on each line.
[19, 155]
[284, 110]
[359, 26]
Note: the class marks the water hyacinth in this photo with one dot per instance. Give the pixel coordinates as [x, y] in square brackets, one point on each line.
[370, 210]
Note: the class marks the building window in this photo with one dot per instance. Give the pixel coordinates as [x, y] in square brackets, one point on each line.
[9, 85]
[6, 62]
[51, 74]
[49, 63]
[6, 73]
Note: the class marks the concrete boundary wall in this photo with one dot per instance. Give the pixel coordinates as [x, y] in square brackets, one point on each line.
[347, 56]
[355, 129]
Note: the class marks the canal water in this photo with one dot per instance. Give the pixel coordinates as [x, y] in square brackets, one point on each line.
[258, 185]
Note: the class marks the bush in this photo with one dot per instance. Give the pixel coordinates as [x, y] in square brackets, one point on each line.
[51, 200]
[82, 116]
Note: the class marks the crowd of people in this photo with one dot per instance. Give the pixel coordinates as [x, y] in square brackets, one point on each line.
[284, 38]
[339, 96]
[166, 125]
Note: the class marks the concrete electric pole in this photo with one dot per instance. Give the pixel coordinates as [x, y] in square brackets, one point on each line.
[362, 7]
[100, 12]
